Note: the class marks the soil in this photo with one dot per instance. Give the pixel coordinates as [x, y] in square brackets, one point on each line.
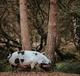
[36, 74]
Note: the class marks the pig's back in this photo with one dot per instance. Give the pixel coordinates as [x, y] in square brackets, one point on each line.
[30, 54]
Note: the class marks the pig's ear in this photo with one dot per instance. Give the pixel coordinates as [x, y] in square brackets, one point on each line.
[9, 56]
[43, 53]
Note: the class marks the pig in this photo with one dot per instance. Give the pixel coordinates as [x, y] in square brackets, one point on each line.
[26, 58]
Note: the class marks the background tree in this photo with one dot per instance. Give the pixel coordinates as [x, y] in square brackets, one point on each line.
[38, 17]
[25, 34]
[52, 31]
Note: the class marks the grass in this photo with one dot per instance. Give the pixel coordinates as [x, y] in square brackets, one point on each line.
[68, 67]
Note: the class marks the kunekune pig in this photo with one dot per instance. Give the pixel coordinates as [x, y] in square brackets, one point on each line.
[26, 58]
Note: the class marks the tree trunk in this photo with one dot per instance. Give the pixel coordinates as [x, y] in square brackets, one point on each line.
[52, 32]
[24, 25]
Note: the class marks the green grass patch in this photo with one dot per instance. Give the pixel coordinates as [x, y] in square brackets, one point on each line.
[68, 67]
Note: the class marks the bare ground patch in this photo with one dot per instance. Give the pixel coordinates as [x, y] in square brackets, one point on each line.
[37, 74]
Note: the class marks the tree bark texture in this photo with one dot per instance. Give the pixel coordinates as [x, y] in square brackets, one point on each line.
[25, 34]
[52, 32]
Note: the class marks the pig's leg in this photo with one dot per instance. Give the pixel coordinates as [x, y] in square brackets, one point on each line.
[32, 65]
[14, 68]
[38, 68]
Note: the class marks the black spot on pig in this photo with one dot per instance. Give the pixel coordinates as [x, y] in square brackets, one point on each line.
[35, 53]
[17, 61]
[19, 52]
[22, 52]
[22, 60]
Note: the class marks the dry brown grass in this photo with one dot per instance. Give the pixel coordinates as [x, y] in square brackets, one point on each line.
[36, 74]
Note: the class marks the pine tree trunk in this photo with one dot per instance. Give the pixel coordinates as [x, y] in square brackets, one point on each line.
[52, 32]
[24, 25]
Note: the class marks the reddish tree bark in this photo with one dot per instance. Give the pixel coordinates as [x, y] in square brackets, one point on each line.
[52, 32]
[24, 25]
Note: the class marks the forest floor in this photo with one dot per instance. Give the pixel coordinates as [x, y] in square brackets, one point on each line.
[37, 74]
